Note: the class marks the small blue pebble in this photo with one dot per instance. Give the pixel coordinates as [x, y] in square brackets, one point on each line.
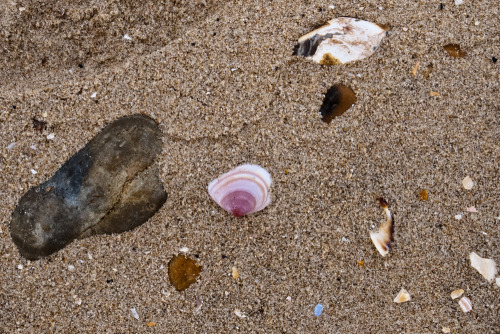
[318, 309]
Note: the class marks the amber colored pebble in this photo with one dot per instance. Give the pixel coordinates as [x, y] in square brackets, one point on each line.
[361, 263]
[454, 50]
[182, 272]
[151, 324]
[424, 195]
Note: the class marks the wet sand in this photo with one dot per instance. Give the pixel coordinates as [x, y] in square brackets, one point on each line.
[221, 81]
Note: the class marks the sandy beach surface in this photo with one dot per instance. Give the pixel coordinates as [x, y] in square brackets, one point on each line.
[220, 79]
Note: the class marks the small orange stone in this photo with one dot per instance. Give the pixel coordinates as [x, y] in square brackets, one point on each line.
[151, 324]
[182, 272]
[361, 263]
[423, 195]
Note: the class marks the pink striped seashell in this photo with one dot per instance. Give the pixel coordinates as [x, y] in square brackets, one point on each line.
[242, 190]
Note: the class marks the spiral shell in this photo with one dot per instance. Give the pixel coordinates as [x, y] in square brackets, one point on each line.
[242, 190]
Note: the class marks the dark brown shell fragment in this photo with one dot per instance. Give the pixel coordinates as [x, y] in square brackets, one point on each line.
[338, 99]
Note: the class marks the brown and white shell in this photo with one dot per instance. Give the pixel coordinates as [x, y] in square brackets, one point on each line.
[384, 236]
[342, 40]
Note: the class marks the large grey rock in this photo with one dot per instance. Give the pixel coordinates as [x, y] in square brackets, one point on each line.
[109, 186]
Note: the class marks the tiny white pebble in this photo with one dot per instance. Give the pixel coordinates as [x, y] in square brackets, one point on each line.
[459, 2]
[70, 71]
[184, 250]
[234, 69]
[78, 301]
[405, 29]
[115, 270]
[44, 114]
[239, 314]
[50, 136]
[127, 37]
[33, 171]
[11, 145]
[33, 147]
[361, 8]
[20, 267]
[71, 267]
[476, 23]
[94, 95]
[289, 298]
[331, 7]
[134, 313]
[458, 217]
[344, 239]
[381, 8]
[89, 256]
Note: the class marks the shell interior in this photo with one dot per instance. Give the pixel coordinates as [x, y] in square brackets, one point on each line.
[242, 190]
[342, 40]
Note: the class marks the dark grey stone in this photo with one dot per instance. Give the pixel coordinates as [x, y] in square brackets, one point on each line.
[109, 186]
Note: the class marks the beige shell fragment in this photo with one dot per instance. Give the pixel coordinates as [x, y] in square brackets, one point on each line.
[486, 267]
[497, 281]
[383, 237]
[341, 40]
[467, 183]
[402, 297]
[235, 272]
[456, 293]
[465, 304]
[446, 330]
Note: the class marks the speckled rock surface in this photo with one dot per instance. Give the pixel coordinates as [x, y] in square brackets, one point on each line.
[111, 185]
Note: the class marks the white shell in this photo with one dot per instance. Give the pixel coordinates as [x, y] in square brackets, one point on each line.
[383, 237]
[456, 293]
[486, 267]
[242, 190]
[465, 304]
[403, 296]
[342, 40]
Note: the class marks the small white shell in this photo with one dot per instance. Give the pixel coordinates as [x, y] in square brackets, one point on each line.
[486, 267]
[342, 40]
[242, 190]
[403, 296]
[465, 304]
